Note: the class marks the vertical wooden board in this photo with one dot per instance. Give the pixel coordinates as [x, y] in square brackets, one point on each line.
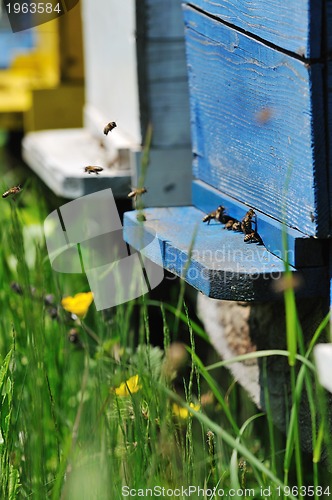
[71, 45]
[328, 61]
[168, 177]
[166, 93]
[169, 114]
[329, 133]
[111, 65]
[162, 73]
[257, 117]
[328, 25]
[295, 26]
[166, 60]
[163, 19]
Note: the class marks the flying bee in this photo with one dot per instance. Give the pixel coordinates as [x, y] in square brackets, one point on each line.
[218, 215]
[246, 224]
[12, 191]
[253, 237]
[137, 192]
[73, 337]
[93, 170]
[16, 287]
[109, 127]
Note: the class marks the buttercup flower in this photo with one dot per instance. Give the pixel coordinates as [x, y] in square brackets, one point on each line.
[79, 304]
[181, 412]
[128, 387]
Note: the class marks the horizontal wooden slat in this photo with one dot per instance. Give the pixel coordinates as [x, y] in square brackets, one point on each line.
[328, 26]
[301, 251]
[257, 124]
[221, 265]
[295, 26]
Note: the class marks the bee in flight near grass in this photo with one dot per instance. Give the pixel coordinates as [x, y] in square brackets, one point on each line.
[109, 127]
[13, 191]
[93, 170]
[137, 192]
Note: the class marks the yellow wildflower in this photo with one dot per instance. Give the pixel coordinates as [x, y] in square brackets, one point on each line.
[181, 412]
[79, 304]
[128, 387]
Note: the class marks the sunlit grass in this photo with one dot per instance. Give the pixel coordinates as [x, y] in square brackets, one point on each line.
[89, 405]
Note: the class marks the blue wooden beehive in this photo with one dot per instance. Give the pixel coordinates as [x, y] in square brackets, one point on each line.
[259, 100]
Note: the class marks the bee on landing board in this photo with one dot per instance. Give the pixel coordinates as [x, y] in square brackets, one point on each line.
[13, 191]
[246, 224]
[250, 235]
[109, 127]
[253, 237]
[233, 224]
[137, 192]
[218, 215]
[93, 170]
[236, 226]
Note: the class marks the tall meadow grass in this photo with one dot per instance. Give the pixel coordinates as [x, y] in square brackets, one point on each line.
[90, 406]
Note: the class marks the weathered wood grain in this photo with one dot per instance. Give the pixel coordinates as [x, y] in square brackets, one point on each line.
[295, 26]
[257, 124]
[221, 265]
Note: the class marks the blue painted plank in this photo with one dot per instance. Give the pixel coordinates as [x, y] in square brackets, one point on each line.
[295, 26]
[256, 117]
[301, 251]
[221, 266]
